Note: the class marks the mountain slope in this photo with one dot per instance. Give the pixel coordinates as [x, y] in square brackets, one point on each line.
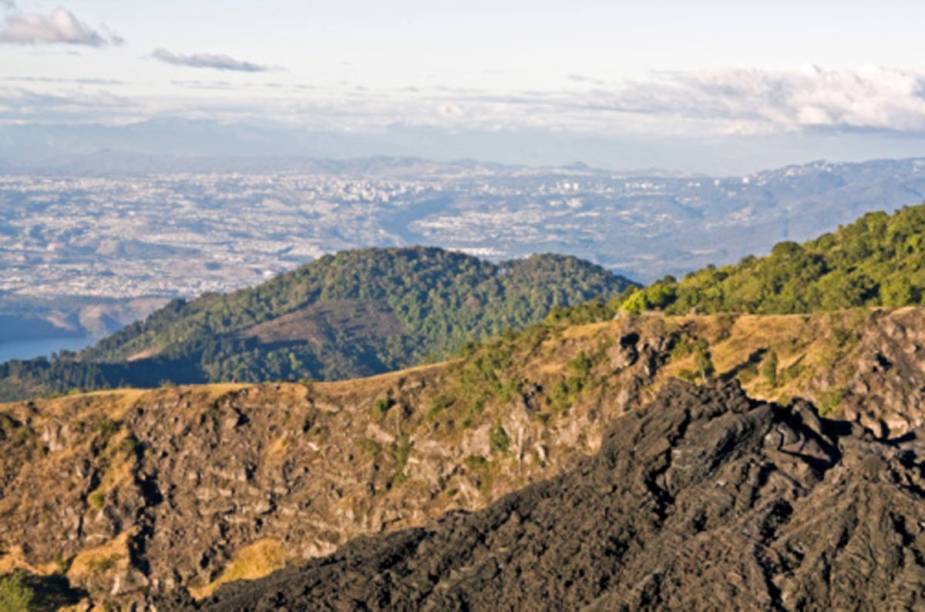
[879, 260]
[702, 500]
[132, 493]
[352, 314]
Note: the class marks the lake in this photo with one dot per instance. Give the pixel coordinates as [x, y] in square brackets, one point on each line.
[28, 349]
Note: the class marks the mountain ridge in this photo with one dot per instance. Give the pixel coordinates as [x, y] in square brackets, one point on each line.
[352, 314]
[140, 492]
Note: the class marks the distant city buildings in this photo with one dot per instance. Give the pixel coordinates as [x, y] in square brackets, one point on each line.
[173, 235]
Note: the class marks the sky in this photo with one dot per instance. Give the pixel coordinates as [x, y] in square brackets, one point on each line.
[710, 86]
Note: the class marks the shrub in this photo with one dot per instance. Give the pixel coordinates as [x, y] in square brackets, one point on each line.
[106, 428]
[483, 470]
[372, 447]
[565, 393]
[500, 441]
[439, 404]
[96, 499]
[383, 405]
[103, 564]
[829, 401]
[769, 368]
[401, 450]
[15, 594]
[703, 360]
[581, 365]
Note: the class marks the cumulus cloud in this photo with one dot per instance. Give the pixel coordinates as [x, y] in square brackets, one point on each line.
[214, 61]
[58, 27]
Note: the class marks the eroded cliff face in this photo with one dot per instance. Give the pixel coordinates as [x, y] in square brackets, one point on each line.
[133, 494]
[884, 385]
[704, 499]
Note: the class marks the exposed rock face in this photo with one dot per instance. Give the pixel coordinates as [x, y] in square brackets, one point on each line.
[138, 493]
[705, 499]
[134, 494]
[886, 391]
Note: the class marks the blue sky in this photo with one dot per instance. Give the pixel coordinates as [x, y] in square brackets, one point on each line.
[781, 81]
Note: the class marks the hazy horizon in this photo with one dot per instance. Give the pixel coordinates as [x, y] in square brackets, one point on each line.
[614, 85]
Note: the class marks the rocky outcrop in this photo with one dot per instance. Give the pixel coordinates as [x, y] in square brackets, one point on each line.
[704, 499]
[134, 494]
[886, 389]
[131, 494]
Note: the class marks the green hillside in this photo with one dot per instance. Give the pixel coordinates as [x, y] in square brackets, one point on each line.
[879, 260]
[352, 314]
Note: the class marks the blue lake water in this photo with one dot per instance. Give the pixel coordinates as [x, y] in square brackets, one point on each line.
[28, 349]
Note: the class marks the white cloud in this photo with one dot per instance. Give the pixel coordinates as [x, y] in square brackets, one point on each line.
[664, 104]
[58, 27]
[214, 61]
[763, 101]
[720, 102]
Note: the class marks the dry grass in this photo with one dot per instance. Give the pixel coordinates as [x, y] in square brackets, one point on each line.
[113, 403]
[100, 559]
[577, 332]
[276, 450]
[379, 381]
[803, 344]
[14, 559]
[252, 562]
[750, 333]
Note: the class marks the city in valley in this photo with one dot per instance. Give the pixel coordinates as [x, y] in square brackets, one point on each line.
[78, 248]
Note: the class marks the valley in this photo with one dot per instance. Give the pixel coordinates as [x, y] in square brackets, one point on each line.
[142, 234]
[461, 306]
[330, 430]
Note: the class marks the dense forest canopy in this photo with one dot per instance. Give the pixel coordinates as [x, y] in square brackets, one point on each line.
[879, 260]
[351, 314]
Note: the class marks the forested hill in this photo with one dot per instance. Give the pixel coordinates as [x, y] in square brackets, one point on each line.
[352, 314]
[879, 260]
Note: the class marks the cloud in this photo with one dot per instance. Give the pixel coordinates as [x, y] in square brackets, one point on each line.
[74, 106]
[733, 101]
[450, 110]
[580, 78]
[870, 98]
[8, 5]
[63, 80]
[215, 61]
[661, 104]
[58, 27]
